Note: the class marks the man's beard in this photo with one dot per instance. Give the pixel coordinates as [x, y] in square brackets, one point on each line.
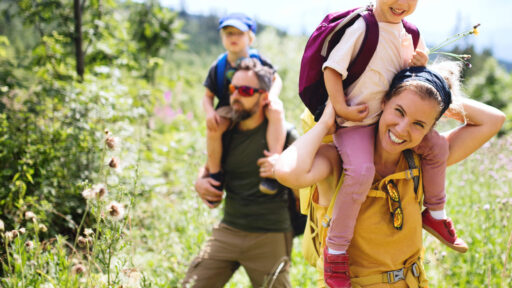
[243, 114]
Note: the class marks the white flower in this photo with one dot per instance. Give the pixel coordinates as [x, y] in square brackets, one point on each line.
[88, 194]
[29, 215]
[487, 207]
[2, 226]
[88, 232]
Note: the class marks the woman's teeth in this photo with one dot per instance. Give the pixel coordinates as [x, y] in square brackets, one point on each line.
[395, 139]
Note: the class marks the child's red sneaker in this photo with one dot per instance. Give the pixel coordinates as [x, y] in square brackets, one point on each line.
[336, 270]
[444, 231]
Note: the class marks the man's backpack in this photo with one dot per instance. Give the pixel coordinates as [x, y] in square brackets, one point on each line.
[327, 35]
[222, 62]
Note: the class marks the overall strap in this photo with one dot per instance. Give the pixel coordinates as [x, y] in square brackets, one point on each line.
[326, 222]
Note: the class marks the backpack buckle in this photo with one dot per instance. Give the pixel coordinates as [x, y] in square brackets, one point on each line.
[395, 275]
[409, 174]
[415, 270]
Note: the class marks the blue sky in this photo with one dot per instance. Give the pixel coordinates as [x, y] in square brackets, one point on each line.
[436, 19]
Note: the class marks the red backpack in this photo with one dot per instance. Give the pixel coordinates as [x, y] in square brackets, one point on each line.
[312, 89]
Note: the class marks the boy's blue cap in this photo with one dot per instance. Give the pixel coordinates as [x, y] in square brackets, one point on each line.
[238, 20]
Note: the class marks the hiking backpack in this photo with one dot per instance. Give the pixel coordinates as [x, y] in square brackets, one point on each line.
[327, 35]
[222, 62]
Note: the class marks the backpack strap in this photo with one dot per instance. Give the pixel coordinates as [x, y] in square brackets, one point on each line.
[222, 63]
[413, 30]
[409, 156]
[365, 53]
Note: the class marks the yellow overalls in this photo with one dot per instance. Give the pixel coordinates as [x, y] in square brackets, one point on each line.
[380, 255]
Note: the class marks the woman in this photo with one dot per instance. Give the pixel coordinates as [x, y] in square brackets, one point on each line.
[386, 252]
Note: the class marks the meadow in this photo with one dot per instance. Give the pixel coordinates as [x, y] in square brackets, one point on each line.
[132, 217]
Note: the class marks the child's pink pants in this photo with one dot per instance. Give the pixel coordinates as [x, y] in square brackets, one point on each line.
[355, 146]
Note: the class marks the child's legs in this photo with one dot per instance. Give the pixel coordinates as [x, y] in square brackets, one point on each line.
[214, 145]
[355, 145]
[276, 131]
[434, 150]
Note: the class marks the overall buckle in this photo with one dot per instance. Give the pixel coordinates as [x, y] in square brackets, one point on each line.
[415, 269]
[395, 275]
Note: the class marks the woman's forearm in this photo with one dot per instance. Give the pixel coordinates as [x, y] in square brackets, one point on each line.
[482, 123]
[300, 164]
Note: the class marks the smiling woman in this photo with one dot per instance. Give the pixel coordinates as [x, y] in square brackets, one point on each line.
[413, 105]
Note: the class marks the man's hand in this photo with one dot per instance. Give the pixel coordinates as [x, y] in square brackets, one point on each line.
[267, 164]
[208, 193]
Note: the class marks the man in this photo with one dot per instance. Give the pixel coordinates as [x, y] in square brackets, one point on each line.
[255, 231]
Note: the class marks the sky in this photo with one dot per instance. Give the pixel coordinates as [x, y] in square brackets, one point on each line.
[436, 19]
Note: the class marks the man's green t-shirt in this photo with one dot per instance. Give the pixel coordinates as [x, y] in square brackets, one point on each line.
[246, 207]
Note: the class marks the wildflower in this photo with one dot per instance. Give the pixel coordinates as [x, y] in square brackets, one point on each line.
[78, 269]
[106, 132]
[29, 245]
[88, 232]
[22, 231]
[15, 234]
[43, 228]
[115, 210]
[2, 226]
[475, 30]
[111, 142]
[99, 190]
[487, 207]
[451, 40]
[113, 163]
[88, 194]
[29, 215]
[82, 242]
[9, 236]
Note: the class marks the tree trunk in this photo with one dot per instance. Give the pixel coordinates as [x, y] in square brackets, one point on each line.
[79, 54]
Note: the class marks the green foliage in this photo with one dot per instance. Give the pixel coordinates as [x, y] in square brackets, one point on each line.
[493, 85]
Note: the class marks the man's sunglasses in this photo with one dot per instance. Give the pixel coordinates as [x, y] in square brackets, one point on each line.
[244, 91]
[395, 205]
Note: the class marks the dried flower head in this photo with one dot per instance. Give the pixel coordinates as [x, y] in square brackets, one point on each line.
[2, 226]
[115, 210]
[113, 163]
[42, 228]
[9, 236]
[111, 142]
[88, 194]
[29, 245]
[88, 232]
[15, 234]
[78, 269]
[106, 132]
[99, 190]
[82, 241]
[29, 215]
[22, 231]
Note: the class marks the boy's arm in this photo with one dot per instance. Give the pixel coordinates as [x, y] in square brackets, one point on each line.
[212, 118]
[275, 89]
[334, 85]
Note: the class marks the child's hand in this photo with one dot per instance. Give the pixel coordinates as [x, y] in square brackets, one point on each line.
[355, 113]
[267, 164]
[275, 110]
[212, 121]
[419, 58]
